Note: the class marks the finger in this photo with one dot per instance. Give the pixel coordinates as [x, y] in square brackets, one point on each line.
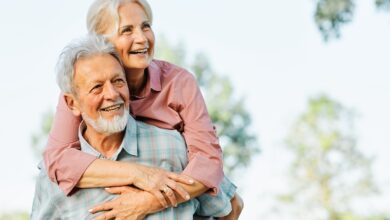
[106, 216]
[178, 189]
[160, 197]
[101, 207]
[171, 196]
[117, 189]
[181, 178]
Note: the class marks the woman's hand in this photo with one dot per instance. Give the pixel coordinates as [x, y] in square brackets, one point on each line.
[158, 181]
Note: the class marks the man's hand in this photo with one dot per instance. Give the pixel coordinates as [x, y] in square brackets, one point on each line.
[158, 181]
[131, 204]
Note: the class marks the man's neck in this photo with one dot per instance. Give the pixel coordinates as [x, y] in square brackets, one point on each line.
[106, 144]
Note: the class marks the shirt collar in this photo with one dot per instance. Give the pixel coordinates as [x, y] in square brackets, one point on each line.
[129, 142]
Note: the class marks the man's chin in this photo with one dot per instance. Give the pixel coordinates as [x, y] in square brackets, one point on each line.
[112, 125]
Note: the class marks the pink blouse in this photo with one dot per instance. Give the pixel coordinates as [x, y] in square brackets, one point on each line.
[171, 100]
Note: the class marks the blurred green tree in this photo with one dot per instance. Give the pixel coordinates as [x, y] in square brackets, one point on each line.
[14, 216]
[39, 138]
[331, 15]
[327, 172]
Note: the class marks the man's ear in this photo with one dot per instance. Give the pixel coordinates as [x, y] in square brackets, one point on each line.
[72, 104]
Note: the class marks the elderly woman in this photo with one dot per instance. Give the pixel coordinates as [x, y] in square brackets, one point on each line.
[163, 95]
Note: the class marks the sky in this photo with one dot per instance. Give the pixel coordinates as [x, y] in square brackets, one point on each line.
[271, 51]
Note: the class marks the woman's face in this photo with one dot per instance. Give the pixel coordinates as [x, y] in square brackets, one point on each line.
[134, 40]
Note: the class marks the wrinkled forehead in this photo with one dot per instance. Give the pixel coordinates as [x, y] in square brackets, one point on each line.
[96, 68]
[143, 4]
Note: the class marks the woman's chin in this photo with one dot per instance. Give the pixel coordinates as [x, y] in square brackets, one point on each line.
[137, 63]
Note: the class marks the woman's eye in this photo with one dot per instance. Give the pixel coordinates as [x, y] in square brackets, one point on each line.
[146, 26]
[119, 81]
[126, 30]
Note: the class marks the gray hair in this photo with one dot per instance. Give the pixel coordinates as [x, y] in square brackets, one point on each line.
[88, 46]
[103, 14]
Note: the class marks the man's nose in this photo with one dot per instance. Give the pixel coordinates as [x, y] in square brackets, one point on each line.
[110, 92]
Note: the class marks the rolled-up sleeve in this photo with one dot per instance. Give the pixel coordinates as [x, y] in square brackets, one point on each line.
[64, 161]
[204, 152]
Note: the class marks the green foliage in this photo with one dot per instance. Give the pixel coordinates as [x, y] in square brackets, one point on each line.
[14, 216]
[328, 172]
[227, 112]
[383, 4]
[39, 138]
[330, 15]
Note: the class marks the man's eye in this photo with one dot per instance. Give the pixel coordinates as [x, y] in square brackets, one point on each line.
[95, 88]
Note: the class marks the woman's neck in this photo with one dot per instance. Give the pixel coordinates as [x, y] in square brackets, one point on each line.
[136, 80]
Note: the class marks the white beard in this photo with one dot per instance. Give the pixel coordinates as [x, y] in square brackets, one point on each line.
[104, 126]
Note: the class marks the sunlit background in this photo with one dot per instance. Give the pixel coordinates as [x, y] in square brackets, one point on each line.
[276, 60]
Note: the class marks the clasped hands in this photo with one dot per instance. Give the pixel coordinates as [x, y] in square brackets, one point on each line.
[150, 181]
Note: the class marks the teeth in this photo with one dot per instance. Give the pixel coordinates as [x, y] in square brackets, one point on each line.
[139, 51]
[110, 108]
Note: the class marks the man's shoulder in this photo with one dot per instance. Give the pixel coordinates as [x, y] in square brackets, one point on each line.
[47, 197]
[148, 130]
[43, 182]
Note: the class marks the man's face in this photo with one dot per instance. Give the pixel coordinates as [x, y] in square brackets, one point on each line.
[102, 95]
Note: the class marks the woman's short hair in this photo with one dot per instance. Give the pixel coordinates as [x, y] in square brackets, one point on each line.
[88, 46]
[103, 15]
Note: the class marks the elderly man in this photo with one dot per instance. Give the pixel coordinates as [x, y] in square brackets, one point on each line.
[95, 87]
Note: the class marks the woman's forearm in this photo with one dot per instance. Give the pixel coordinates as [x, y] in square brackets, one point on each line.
[108, 173]
[105, 173]
[196, 189]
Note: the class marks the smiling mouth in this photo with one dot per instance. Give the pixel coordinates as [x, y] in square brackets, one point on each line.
[112, 108]
[141, 51]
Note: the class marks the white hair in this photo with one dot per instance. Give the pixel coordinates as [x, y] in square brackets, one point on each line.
[103, 15]
[88, 46]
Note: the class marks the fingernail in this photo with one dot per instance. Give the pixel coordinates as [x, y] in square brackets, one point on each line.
[90, 210]
[187, 197]
[191, 181]
[176, 205]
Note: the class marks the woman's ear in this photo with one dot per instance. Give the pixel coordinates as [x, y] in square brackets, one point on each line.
[72, 104]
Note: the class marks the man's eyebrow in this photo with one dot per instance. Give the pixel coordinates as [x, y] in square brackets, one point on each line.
[92, 82]
[126, 26]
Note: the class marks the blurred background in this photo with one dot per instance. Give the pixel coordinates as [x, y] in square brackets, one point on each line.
[299, 91]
